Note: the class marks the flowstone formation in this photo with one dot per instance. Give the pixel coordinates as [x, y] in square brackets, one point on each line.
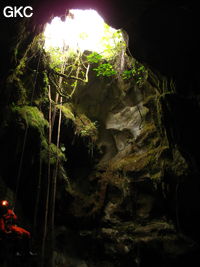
[117, 166]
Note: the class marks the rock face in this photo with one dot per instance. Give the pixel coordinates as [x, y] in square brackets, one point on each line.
[127, 119]
[128, 210]
[128, 180]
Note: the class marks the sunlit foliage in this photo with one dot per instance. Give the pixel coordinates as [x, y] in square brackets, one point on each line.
[73, 60]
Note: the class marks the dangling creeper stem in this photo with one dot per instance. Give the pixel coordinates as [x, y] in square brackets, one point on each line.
[54, 185]
[57, 95]
[56, 101]
[48, 184]
[55, 173]
[26, 130]
[38, 194]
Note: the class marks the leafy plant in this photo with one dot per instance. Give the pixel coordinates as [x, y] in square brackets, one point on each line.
[112, 42]
[138, 73]
[94, 57]
[57, 57]
[74, 66]
[127, 74]
[105, 69]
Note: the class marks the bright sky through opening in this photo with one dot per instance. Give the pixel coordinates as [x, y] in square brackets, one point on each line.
[82, 30]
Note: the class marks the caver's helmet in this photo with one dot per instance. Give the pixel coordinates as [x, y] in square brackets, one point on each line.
[4, 203]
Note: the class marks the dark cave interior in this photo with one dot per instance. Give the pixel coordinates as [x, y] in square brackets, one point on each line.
[109, 211]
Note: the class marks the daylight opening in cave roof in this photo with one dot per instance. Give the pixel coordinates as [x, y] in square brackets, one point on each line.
[80, 31]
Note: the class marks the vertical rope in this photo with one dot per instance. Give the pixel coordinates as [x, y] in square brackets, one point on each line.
[48, 183]
[26, 133]
[177, 206]
[54, 186]
[55, 173]
[50, 199]
[77, 75]
[38, 194]
[20, 166]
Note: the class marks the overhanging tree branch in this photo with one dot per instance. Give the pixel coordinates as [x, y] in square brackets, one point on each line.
[58, 89]
[72, 77]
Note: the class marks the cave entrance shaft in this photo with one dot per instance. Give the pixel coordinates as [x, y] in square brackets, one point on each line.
[72, 47]
[82, 39]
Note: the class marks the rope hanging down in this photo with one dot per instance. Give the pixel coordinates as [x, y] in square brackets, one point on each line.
[50, 199]
[25, 134]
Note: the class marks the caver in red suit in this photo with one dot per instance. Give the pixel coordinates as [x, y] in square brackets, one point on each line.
[9, 229]
[8, 221]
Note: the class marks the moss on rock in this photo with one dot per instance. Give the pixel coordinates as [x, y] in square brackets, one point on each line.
[32, 116]
[139, 162]
[51, 151]
[85, 127]
[67, 111]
